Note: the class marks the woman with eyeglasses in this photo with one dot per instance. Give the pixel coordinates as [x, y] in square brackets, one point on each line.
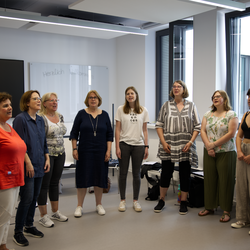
[93, 128]
[31, 129]
[55, 130]
[177, 126]
[218, 129]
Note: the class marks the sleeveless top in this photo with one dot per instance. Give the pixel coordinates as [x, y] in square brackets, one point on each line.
[245, 128]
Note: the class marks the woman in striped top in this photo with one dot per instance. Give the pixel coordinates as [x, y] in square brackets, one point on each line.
[177, 126]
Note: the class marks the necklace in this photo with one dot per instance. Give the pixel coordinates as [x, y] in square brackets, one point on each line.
[33, 117]
[51, 115]
[94, 130]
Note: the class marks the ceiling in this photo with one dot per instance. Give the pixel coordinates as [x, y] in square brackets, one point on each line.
[132, 13]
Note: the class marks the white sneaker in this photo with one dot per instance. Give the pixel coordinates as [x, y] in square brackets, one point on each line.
[78, 212]
[240, 224]
[137, 206]
[122, 206]
[46, 221]
[58, 216]
[100, 210]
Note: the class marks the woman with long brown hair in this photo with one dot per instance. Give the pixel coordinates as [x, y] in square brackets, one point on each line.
[218, 129]
[131, 139]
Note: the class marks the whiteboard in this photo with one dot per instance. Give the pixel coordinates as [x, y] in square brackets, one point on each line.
[71, 83]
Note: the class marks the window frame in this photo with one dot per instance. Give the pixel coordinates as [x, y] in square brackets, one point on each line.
[229, 64]
[166, 32]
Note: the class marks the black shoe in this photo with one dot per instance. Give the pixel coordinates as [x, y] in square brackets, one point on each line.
[183, 208]
[32, 231]
[20, 240]
[159, 207]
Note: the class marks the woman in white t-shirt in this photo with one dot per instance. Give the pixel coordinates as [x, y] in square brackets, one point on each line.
[131, 140]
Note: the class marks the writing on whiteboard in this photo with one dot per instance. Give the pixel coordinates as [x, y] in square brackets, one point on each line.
[53, 73]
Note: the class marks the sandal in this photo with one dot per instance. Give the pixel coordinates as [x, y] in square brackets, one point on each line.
[224, 216]
[206, 212]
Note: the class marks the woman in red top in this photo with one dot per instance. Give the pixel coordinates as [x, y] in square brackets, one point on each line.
[12, 152]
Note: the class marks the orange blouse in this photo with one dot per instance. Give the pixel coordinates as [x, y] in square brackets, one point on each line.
[12, 153]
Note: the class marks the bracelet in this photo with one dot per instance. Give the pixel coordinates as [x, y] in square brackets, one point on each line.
[74, 149]
[146, 146]
[191, 142]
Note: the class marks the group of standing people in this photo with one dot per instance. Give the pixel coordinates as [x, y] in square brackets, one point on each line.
[178, 125]
[39, 156]
[93, 128]
[32, 159]
[32, 155]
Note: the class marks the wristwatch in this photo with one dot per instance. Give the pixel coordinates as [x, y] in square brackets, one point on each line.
[146, 146]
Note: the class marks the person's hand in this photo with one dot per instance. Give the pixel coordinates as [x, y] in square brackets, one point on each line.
[30, 170]
[210, 146]
[247, 159]
[166, 148]
[145, 154]
[240, 156]
[187, 147]
[75, 155]
[118, 153]
[211, 153]
[47, 166]
[107, 156]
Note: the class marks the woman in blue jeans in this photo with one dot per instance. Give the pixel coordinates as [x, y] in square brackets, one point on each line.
[131, 140]
[30, 128]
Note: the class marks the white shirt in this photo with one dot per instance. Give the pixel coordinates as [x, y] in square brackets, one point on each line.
[132, 126]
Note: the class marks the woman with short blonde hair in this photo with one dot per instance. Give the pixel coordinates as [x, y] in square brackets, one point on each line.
[55, 130]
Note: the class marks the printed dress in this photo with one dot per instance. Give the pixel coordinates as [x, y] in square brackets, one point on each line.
[178, 128]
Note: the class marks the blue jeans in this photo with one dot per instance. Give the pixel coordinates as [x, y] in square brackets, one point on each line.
[27, 205]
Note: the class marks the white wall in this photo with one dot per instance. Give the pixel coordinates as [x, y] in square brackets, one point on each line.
[130, 59]
[33, 46]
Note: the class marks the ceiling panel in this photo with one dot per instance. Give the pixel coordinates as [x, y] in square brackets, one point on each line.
[158, 11]
[71, 31]
[12, 23]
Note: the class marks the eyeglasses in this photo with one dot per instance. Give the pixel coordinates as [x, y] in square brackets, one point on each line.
[92, 97]
[52, 100]
[36, 98]
[177, 86]
[216, 97]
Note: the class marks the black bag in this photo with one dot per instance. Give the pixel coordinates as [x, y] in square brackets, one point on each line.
[196, 192]
[153, 193]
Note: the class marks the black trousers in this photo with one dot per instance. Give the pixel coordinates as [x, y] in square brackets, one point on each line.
[184, 174]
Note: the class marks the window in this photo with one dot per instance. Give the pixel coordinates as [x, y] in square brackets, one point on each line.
[174, 59]
[238, 59]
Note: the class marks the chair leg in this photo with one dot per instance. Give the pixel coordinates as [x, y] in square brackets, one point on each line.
[173, 183]
[118, 172]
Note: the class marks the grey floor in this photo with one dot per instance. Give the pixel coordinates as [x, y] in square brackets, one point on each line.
[130, 230]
